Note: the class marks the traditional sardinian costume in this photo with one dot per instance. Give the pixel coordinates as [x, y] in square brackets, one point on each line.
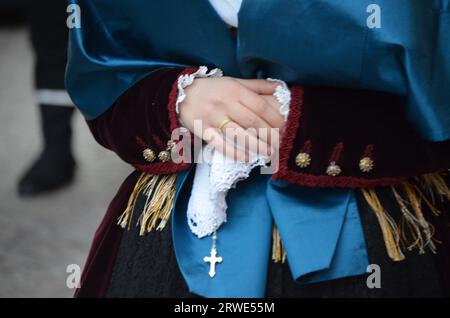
[363, 164]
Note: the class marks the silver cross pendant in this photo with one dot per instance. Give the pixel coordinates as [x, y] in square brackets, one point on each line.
[213, 259]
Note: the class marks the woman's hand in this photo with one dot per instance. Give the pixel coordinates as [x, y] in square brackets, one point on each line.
[250, 106]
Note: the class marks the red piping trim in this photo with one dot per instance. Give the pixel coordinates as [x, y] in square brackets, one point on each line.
[162, 167]
[368, 152]
[337, 151]
[158, 141]
[141, 142]
[292, 125]
[306, 148]
[173, 95]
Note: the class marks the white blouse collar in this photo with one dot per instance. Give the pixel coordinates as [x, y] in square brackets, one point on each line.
[227, 10]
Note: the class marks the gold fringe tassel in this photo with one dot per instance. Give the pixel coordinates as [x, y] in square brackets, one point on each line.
[125, 219]
[158, 209]
[413, 230]
[435, 181]
[414, 222]
[415, 197]
[389, 229]
[278, 252]
[160, 193]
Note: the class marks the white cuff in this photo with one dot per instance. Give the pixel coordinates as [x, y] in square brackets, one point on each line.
[187, 80]
[283, 96]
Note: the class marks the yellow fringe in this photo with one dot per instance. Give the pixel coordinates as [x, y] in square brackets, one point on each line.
[413, 231]
[160, 193]
[415, 222]
[278, 252]
[389, 229]
[436, 181]
[158, 209]
[414, 198]
[125, 219]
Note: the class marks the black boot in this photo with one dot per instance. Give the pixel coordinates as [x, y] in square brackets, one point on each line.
[55, 166]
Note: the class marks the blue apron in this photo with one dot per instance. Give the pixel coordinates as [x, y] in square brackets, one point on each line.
[320, 230]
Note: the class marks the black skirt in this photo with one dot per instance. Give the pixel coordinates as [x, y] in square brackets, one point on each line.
[146, 266]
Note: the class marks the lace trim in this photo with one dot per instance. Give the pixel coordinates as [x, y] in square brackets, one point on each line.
[188, 79]
[207, 205]
[283, 96]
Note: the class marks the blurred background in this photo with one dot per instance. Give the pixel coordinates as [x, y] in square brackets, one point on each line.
[43, 233]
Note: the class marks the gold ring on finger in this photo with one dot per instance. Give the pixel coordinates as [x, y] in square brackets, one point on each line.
[224, 122]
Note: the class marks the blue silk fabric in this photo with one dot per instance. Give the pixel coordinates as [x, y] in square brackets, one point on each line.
[320, 230]
[323, 42]
[319, 42]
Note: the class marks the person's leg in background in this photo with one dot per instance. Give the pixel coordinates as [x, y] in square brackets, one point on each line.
[55, 166]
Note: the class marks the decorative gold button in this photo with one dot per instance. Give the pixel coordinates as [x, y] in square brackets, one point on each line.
[171, 144]
[303, 160]
[366, 164]
[164, 156]
[333, 169]
[149, 155]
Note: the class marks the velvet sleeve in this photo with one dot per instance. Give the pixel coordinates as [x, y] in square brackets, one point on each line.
[338, 137]
[138, 126]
